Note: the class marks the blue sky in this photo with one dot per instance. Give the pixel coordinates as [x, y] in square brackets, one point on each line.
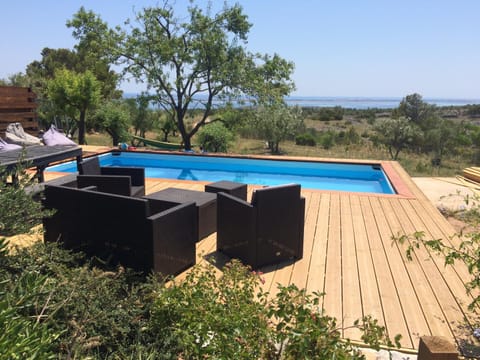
[386, 48]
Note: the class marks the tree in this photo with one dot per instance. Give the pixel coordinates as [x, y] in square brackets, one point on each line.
[143, 119]
[190, 63]
[93, 51]
[396, 135]
[115, 120]
[75, 94]
[415, 109]
[277, 122]
[167, 126]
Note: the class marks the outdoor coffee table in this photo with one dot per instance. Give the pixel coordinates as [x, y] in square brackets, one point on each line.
[230, 187]
[206, 204]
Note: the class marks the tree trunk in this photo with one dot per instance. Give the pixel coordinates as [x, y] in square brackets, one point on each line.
[183, 131]
[81, 128]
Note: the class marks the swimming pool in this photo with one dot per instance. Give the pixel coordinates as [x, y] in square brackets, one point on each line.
[309, 174]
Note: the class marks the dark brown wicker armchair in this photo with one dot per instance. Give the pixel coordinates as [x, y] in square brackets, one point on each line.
[265, 232]
[128, 181]
[122, 229]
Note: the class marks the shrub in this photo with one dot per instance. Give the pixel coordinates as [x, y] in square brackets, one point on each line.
[215, 137]
[305, 139]
[19, 211]
[327, 140]
[226, 317]
[92, 313]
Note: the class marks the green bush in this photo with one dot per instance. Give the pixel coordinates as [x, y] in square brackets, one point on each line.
[94, 313]
[19, 211]
[328, 139]
[21, 335]
[227, 317]
[305, 139]
[215, 137]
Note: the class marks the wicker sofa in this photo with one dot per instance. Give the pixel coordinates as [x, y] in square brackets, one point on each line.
[122, 229]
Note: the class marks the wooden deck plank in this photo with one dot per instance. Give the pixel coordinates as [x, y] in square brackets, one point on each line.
[371, 301]
[449, 287]
[318, 258]
[352, 301]
[392, 308]
[332, 302]
[413, 312]
[301, 268]
[425, 273]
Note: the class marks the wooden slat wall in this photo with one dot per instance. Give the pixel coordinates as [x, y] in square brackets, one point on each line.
[17, 104]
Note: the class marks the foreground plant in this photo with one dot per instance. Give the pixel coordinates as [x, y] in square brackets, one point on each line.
[227, 317]
[19, 211]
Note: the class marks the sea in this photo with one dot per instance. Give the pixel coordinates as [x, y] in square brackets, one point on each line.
[369, 102]
[361, 103]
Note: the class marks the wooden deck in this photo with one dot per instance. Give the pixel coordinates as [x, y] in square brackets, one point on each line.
[349, 254]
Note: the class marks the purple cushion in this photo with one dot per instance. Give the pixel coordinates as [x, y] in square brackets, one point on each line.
[53, 137]
[4, 146]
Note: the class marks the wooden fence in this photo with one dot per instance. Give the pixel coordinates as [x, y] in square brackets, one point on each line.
[17, 104]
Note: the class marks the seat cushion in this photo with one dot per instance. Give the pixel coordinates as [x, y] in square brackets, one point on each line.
[54, 137]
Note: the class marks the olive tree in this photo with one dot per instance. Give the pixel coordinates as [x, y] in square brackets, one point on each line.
[277, 122]
[413, 108]
[190, 62]
[396, 135]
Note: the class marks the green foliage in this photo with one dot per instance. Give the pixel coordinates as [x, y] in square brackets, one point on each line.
[305, 139]
[473, 110]
[303, 331]
[215, 137]
[93, 50]
[414, 109]
[277, 122]
[327, 139]
[19, 211]
[114, 118]
[73, 94]
[396, 135]
[142, 118]
[22, 337]
[325, 113]
[94, 313]
[348, 137]
[226, 317]
[210, 317]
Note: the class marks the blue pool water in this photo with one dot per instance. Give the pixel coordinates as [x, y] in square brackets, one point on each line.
[310, 175]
